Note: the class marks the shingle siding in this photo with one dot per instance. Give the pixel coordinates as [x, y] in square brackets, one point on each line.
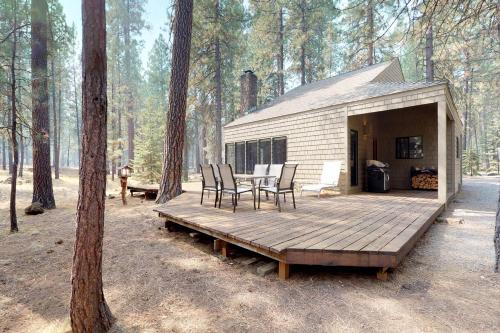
[312, 138]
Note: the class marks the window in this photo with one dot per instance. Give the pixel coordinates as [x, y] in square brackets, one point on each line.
[230, 158]
[245, 154]
[409, 147]
[457, 146]
[239, 166]
[251, 156]
[279, 150]
[264, 151]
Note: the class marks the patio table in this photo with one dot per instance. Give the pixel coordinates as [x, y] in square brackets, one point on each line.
[252, 178]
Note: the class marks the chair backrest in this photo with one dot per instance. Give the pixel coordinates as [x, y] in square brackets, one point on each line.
[208, 175]
[226, 177]
[331, 173]
[260, 170]
[287, 176]
[274, 170]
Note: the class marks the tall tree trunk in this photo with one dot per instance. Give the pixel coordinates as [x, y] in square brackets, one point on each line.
[281, 55]
[129, 102]
[21, 148]
[303, 44]
[467, 77]
[68, 150]
[54, 118]
[77, 114]
[42, 178]
[429, 51]
[371, 37]
[113, 121]
[9, 143]
[119, 121]
[218, 91]
[171, 179]
[13, 129]
[59, 118]
[21, 132]
[89, 311]
[4, 154]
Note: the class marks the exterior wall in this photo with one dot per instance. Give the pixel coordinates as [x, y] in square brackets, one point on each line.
[312, 138]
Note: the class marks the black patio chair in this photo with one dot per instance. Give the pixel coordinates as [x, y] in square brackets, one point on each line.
[228, 185]
[209, 182]
[284, 184]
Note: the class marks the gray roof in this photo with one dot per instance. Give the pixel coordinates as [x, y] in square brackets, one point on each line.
[368, 82]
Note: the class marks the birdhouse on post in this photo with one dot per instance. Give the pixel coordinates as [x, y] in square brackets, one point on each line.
[124, 173]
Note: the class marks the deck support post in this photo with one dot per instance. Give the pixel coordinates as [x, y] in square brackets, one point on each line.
[382, 274]
[224, 249]
[222, 246]
[442, 153]
[217, 245]
[283, 271]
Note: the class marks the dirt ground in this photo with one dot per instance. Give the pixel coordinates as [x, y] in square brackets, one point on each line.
[156, 281]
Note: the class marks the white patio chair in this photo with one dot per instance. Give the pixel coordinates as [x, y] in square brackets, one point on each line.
[329, 178]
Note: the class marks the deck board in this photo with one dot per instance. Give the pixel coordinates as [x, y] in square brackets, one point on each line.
[356, 230]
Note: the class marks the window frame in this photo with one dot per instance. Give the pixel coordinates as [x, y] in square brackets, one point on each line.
[407, 153]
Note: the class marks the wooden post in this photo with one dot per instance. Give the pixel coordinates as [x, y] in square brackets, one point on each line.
[224, 249]
[382, 274]
[217, 245]
[442, 154]
[123, 183]
[283, 270]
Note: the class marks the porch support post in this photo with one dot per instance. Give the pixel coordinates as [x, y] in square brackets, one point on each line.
[442, 154]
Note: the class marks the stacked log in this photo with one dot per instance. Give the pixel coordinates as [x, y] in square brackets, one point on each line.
[424, 181]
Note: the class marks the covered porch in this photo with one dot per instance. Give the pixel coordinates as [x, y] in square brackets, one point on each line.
[419, 136]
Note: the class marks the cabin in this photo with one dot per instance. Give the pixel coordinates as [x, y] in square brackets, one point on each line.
[367, 119]
[367, 114]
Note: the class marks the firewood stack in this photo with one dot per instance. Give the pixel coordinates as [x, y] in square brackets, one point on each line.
[424, 181]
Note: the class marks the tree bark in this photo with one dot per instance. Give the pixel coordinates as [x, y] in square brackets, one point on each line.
[4, 155]
[13, 129]
[218, 91]
[9, 143]
[54, 118]
[171, 179]
[369, 19]
[42, 178]
[130, 115]
[303, 44]
[429, 50]
[21, 132]
[89, 311]
[281, 55]
[59, 119]
[77, 114]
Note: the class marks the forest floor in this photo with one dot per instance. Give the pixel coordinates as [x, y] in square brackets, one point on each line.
[156, 281]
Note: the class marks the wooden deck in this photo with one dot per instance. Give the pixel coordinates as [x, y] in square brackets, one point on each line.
[365, 230]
